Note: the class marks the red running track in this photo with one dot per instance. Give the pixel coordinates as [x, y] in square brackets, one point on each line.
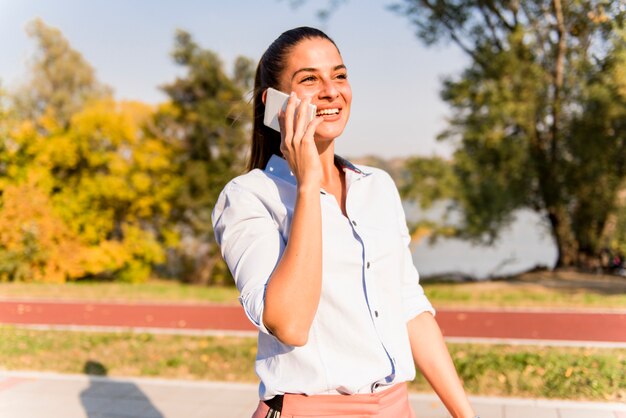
[542, 325]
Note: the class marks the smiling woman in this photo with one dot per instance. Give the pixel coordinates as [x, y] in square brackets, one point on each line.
[318, 248]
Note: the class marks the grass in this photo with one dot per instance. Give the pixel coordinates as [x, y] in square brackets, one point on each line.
[550, 289]
[507, 294]
[128, 354]
[152, 291]
[544, 289]
[498, 370]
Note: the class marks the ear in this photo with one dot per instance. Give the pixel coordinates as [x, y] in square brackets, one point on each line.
[264, 96]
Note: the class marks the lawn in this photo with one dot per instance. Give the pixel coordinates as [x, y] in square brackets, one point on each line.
[489, 370]
[536, 290]
[152, 291]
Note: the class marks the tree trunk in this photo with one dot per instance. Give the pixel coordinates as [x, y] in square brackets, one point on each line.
[566, 244]
[560, 221]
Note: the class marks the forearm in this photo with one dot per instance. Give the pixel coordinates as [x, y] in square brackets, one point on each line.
[433, 359]
[293, 291]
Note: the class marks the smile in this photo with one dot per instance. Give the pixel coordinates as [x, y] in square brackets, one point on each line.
[323, 112]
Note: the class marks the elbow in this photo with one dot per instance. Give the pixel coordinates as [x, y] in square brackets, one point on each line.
[295, 339]
[288, 332]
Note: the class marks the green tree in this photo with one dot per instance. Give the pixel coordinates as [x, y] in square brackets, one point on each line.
[209, 119]
[539, 117]
[61, 80]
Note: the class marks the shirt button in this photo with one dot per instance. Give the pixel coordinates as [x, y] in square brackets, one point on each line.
[368, 265]
[354, 223]
[376, 314]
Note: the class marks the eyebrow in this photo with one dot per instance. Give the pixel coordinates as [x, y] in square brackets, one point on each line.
[313, 70]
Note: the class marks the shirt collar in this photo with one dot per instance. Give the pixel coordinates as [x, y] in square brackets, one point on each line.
[347, 165]
[278, 167]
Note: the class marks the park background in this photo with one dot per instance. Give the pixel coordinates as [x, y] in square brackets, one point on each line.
[121, 121]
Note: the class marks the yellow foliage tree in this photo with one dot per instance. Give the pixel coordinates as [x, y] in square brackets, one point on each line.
[102, 189]
[35, 243]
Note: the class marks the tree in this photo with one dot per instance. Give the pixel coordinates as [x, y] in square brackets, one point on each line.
[87, 188]
[103, 183]
[209, 119]
[35, 243]
[6, 120]
[539, 116]
[61, 80]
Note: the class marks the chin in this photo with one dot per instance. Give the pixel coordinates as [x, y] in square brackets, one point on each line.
[326, 136]
[328, 132]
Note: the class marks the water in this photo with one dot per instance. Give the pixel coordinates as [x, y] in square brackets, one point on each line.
[524, 244]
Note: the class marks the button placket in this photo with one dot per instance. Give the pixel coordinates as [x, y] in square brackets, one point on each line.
[371, 294]
[372, 302]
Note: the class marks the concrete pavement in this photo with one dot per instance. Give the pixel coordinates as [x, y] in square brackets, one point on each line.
[51, 395]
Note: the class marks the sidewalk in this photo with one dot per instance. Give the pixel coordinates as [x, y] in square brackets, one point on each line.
[50, 395]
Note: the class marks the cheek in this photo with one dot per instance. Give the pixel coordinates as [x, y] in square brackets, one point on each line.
[348, 95]
[303, 92]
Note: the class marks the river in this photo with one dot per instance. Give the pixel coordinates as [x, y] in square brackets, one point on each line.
[524, 244]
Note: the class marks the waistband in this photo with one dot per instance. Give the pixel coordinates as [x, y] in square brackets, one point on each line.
[359, 404]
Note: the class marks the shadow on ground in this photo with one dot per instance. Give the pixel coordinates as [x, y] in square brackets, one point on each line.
[130, 401]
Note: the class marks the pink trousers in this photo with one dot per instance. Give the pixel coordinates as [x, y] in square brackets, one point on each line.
[390, 403]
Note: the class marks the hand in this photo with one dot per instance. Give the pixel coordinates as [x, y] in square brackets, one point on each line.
[298, 143]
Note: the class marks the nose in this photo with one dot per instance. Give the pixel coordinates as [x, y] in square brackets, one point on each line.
[329, 90]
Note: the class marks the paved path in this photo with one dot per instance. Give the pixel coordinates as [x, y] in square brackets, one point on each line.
[609, 327]
[49, 395]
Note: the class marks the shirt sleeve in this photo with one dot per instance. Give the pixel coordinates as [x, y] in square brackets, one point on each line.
[414, 300]
[251, 245]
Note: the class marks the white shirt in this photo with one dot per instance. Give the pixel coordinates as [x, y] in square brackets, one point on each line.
[358, 341]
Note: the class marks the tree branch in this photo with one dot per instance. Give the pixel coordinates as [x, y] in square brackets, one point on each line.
[490, 4]
[492, 28]
[453, 33]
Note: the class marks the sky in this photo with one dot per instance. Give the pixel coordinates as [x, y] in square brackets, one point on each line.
[395, 79]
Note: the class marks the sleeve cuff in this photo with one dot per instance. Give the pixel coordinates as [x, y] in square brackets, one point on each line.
[252, 303]
[418, 305]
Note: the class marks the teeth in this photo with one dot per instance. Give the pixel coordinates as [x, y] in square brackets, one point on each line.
[328, 112]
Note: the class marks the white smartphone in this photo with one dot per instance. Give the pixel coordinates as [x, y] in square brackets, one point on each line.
[276, 101]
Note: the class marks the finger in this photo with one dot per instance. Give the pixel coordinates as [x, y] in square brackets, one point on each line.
[281, 123]
[289, 112]
[302, 118]
[312, 127]
[286, 130]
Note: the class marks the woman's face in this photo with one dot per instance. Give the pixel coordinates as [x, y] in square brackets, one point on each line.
[315, 69]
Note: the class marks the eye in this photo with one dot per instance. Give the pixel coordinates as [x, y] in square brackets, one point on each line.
[342, 76]
[308, 79]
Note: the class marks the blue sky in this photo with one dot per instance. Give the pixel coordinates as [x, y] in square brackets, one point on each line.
[395, 80]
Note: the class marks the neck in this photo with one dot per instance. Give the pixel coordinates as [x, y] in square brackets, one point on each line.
[326, 150]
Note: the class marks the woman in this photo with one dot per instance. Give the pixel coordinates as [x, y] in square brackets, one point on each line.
[318, 248]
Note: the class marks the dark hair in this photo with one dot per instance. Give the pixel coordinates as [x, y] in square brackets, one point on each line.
[266, 141]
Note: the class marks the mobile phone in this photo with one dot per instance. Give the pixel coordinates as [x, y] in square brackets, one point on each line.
[277, 100]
